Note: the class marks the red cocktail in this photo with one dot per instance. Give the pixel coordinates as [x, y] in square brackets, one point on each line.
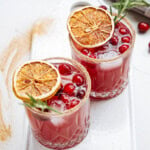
[108, 64]
[61, 131]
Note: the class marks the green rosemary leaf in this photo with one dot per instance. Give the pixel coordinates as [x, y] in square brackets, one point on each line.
[31, 98]
[28, 105]
[111, 10]
[123, 5]
[131, 4]
[120, 18]
[39, 104]
[139, 3]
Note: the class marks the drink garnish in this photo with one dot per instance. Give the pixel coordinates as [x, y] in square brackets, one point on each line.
[90, 26]
[39, 104]
[37, 78]
[123, 5]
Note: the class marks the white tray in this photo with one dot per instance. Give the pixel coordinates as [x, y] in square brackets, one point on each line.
[111, 121]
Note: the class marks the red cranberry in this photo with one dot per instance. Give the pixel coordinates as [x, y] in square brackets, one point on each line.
[103, 47]
[149, 44]
[74, 102]
[49, 102]
[46, 110]
[103, 6]
[65, 98]
[114, 40]
[123, 31]
[123, 48]
[52, 99]
[125, 39]
[81, 94]
[56, 103]
[143, 26]
[65, 69]
[85, 51]
[60, 90]
[68, 106]
[92, 56]
[69, 88]
[39, 109]
[78, 79]
[117, 25]
[61, 86]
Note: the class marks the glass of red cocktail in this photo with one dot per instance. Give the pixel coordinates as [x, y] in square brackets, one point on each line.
[107, 64]
[65, 130]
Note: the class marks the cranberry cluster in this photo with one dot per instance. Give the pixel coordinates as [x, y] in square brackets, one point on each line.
[118, 44]
[72, 89]
[142, 28]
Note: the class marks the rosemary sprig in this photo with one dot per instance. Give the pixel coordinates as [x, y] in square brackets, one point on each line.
[39, 104]
[123, 5]
[111, 10]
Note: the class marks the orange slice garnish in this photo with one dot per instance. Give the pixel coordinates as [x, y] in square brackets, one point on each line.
[90, 26]
[39, 79]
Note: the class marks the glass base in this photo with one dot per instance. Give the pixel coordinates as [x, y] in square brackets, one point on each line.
[108, 95]
[62, 142]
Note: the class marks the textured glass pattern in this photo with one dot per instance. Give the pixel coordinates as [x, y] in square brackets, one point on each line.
[59, 132]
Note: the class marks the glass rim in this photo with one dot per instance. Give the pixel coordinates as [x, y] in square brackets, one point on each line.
[93, 60]
[83, 101]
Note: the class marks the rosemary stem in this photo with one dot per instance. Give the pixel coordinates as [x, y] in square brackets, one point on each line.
[124, 5]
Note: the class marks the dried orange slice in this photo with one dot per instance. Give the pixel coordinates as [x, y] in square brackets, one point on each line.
[90, 26]
[36, 78]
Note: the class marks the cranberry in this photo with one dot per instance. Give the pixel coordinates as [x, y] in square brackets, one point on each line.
[103, 6]
[125, 39]
[80, 94]
[39, 109]
[60, 90]
[78, 79]
[65, 98]
[117, 25]
[123, 31]
[103, 47]
[56, 103]
[50, 100]
[74, 102]
[85, 51]
[69, 88]
[61, 86]
[123, 48]
[46, 110]
[65, 69]
[114, 40]
[54, 98]
[68, 106]
[92, 56]
[143, 26]
[149, 44]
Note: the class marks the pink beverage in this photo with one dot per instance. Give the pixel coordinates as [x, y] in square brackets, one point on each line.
[61, 131]
[108, 65]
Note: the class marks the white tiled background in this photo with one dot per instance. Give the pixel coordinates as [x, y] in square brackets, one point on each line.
[113, 122]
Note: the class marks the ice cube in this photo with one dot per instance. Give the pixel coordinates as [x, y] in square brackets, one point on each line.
[111, 64]
[57, 121]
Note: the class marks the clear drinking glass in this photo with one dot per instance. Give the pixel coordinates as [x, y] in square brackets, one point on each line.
[61, 131]
[109, 77]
